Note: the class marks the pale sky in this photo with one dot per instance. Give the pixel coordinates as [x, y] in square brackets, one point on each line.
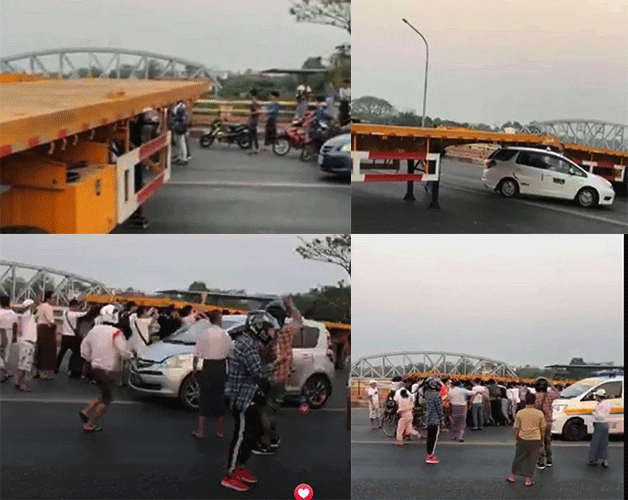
[493, 61]
[517, 298]
[265, 264]
[225, 35]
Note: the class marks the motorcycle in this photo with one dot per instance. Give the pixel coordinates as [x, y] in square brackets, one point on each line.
[294, 136]
[230, 133]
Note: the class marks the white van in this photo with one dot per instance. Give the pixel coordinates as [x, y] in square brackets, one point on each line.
[572, 412]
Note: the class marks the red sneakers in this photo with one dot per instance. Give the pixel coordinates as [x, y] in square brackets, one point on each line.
[234, 483]
[431, 459]
[244, 475]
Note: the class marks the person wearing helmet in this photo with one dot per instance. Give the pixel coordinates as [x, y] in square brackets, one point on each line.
[8, 331]
[434, 416]
[245, 378]
[598, 450]
[28, 339]
[102, 348]
[545, 394]
[282, 368]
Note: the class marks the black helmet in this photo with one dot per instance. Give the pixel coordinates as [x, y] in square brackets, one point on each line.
[433, 383]
[277, 310]
[541, 384]
[259, 324]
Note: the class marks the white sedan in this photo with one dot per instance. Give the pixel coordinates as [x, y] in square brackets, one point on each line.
[517, 170]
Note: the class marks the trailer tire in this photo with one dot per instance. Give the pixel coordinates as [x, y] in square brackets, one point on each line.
[22, 230]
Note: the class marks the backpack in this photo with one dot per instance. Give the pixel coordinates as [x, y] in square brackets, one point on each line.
[125, 325]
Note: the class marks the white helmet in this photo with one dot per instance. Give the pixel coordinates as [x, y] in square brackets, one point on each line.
[600, 393]
[109, 314]
[28, 303]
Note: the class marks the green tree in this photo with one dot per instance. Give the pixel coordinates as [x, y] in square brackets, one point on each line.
[328, 303]
[372, 109]
[332, 249]
[327, 12]
[198, 286]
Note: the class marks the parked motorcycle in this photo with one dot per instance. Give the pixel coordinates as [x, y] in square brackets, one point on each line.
[220, 131]
[294, 136]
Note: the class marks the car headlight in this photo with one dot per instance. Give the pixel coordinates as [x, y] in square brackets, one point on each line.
[346, 148]
[559, 408]
[175, 361]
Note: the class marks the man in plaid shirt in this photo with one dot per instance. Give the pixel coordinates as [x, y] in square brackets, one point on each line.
[245, 376]
[282, 343]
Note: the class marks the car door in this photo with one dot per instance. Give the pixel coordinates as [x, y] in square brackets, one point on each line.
[303, 348]
[562, 180]
[614, 394]
[530, 169]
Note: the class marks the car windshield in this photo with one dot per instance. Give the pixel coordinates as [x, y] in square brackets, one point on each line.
[188, 334]
[575, 390]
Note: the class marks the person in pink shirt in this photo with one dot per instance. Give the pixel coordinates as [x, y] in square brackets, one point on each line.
[405, 405]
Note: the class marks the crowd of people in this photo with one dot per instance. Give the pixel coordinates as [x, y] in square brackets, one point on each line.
[246, 375]
[455, 405]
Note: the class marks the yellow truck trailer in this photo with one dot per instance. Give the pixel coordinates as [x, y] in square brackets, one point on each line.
[58, 169]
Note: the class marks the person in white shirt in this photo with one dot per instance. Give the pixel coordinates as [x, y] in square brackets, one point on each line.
[458, 398]
[141, 323]
[46, 352]
[213, 346]
[598, 450]
[477, 411]
[27, 342]
[512, 392]
[405, 406]
[8, 331]
[373, 397]
[70, 341]
[102, 348]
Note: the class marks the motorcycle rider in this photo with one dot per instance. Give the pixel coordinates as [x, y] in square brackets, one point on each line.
[246, 377]
[319, 124]
[545, 396]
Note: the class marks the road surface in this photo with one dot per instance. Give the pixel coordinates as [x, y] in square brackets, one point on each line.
[475, 469]
[468, 207]
[146, 450]
[225, 190]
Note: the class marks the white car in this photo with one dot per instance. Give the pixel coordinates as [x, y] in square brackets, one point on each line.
[165, 368]
[531, 171]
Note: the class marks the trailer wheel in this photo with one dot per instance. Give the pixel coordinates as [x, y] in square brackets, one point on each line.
[22, 230]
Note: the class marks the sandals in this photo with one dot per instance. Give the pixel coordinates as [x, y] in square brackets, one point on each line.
[511, 481]
[98, 428]
[592, 463]
[531, 483]
[197, 436]
[83, 416]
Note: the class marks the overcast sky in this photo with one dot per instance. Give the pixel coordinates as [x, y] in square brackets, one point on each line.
[493, 61]
[256, 263]
[518, 299]
[227, 35]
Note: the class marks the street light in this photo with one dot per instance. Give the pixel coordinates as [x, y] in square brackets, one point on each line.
[427, 58]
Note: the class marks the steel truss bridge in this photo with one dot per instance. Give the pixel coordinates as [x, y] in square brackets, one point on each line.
[386, 366]
[66, 286]
[592, 133]
[110, 63]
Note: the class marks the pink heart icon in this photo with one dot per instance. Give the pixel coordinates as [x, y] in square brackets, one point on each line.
[303, 492]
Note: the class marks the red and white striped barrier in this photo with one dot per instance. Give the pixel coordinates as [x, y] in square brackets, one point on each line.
[358, 156]
[617, 171]
[128, 200]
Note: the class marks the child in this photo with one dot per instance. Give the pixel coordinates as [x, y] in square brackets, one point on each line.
[405, 404]
[373, 397]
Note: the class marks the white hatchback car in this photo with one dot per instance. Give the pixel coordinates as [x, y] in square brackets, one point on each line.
[165, 368]
[518, 170]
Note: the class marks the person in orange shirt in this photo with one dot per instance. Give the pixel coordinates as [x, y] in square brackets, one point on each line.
[444, 394]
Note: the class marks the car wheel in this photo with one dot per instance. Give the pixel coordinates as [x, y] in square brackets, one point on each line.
[206, 140]
[319, 389]
[281, 146]
[190, 392]
[587, 197]
[574, 430]
[508, 188]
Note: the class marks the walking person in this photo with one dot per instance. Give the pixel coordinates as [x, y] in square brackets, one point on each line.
[46, 353]
[102, 348]
[27, 342]
[255, 111]
[530, 429]
[273, 109]
[435, 417]
[405, 407]
[180, 121]
[598, 450]
[70, 340]
[213, 346]
[373, 397]
[282, 347]
[245, 376]
[545, 394]
[9, 322]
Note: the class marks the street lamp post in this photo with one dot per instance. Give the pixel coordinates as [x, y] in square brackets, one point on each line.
[427, 59]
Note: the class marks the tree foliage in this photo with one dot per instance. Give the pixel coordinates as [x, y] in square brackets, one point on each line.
[328, 303]
[334, 249]
[198, 286]
[328, 12]
[372, 109]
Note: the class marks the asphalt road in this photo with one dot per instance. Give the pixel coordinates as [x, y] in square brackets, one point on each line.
[225, 190]
[146, 450]
[475, 469]
[468, 207]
